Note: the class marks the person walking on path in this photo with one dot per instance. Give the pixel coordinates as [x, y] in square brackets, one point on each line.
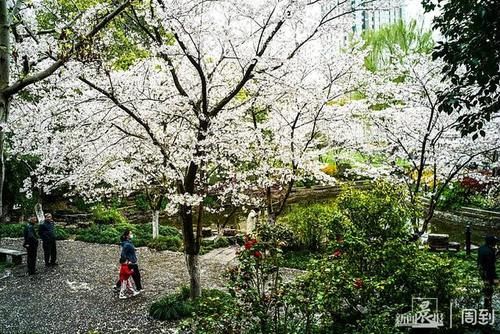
[128, 252]
[487, 268]
[31, 244]
[126, 285]
[47, 234]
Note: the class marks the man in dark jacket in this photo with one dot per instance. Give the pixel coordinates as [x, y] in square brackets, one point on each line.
[48, 236]
[487, 268]
[31, 245]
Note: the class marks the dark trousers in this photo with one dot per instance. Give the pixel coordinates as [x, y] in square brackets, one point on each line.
[488, 294]
[136, 276]
[31, 250]
[49, 251]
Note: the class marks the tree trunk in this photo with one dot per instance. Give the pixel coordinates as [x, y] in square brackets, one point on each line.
[4, 83]
[156, 227]
[191, 250]
[194, 275]
[429, 215]
[270, 210]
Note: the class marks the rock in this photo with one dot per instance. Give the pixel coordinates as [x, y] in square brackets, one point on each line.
[83, 224]
[206, 232]
[229, 232]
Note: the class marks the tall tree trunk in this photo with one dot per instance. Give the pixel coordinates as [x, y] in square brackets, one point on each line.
[156, 227]
[191, 250]
[4, 83]
[429, 215]
[271, 219]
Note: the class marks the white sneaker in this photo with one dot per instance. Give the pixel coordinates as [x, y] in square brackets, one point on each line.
[135, 293]
[123, 297]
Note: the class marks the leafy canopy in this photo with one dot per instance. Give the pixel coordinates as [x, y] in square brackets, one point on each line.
[470, 49]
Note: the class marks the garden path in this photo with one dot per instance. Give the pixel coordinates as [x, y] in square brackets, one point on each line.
[77, 296]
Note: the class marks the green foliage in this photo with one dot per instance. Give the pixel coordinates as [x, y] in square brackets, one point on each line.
[279, 234]
[12, 230]
[360, 287]
[172, 243]
[106, 216]
[110, 234]
[171, 307]
[17, 230]
[469, 49]
[208, 245]
[210, 312]
[298, 259]
[17, 169]
[392, 40]
[453, 197]
[214, 313]
[379, 214]
[61, 233]
[310, 224]
[142, 203]
[100, 234]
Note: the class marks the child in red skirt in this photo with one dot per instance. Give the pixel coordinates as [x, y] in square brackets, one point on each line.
[126, 284]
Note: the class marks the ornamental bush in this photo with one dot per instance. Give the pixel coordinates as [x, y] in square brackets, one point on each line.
[171, 243]
[313, 224]
[12, 230]
[368, 277]
[172, 307]
[106, 216]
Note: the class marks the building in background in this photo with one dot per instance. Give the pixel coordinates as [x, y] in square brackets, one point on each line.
[370, 15]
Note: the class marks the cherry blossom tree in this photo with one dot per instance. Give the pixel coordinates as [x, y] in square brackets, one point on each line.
[178, 122]
[401, 105]
[36, 39]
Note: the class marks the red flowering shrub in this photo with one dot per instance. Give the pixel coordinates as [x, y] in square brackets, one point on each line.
[250, 243]
[257, 254]
[471, 184]
[358, 283]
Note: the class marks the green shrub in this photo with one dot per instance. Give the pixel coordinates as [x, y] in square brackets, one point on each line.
[101, 234]
[376, 215]
[214, 313]
[105, 216]
[360, 287]
[221, 242]
[12, 230]
[171, 307]
[209, 245]
[172, 243]
[298, 259]
[167, 231]
[278, 234]
[313, 223]
[61, 233]
[141, 202]
[143, 235]
[453, 197]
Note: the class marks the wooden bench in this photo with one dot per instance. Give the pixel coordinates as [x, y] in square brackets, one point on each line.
[17, 256]
[438, 242]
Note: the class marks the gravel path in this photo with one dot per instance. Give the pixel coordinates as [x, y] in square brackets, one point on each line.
[77, 296]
